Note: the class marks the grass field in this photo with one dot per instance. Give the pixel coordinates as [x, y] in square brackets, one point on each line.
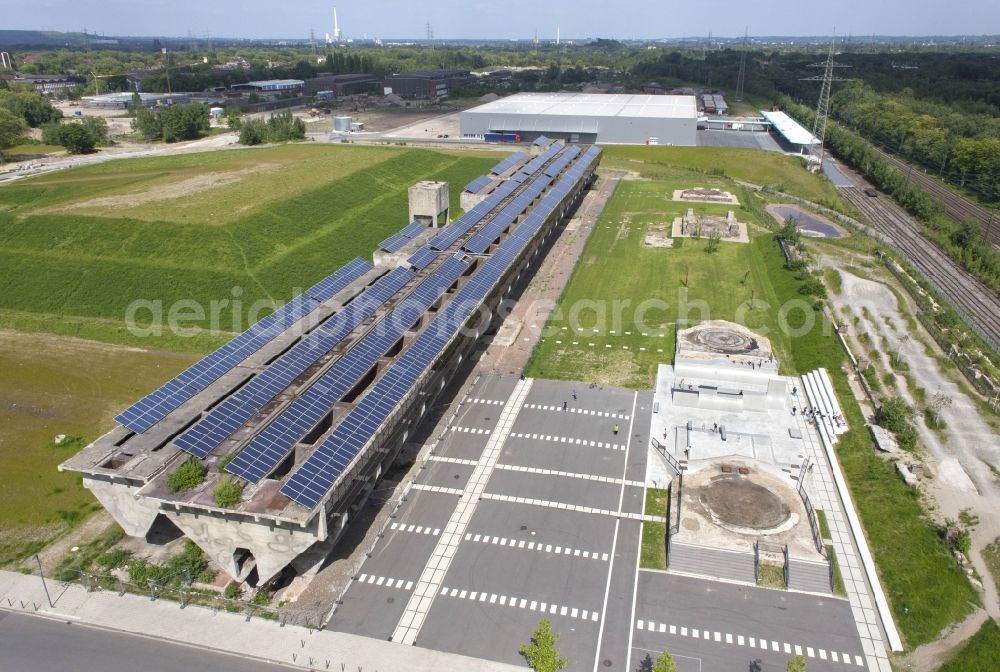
[980, 654]
[77, 247]
[653, 554]
[750, 165]
[618, 275]
[50, 386]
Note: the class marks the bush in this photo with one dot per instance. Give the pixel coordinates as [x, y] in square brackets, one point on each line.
[278, 128]
[189, 475]
[228, 493]
[232, 592]
[172, 123]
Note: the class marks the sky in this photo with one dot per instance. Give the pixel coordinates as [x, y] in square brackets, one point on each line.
[475, 19]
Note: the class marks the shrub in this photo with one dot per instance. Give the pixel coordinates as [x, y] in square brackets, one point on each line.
[232, 592]
[189, 475]
[228, 493]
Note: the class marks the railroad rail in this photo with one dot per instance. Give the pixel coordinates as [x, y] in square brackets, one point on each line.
[956, 206]
[979, 303]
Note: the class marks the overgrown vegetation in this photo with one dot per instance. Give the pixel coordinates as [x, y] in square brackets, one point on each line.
[281, 127]
[172, 123]
[190, 565]
[227, 493]
[894, 415]
[981, 652]
[188, 476]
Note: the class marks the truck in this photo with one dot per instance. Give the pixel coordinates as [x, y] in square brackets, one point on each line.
[502, 137]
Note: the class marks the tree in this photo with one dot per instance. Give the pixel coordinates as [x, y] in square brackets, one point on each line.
[76, 139]
[712, 245]
[789, 232]
[31, 106]
[12, 129]
[665, 663]
[797, 664]
[541, 654]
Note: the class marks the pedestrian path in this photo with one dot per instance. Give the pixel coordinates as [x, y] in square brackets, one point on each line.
[437, 566]
[522, 603]
[751, 642]
[824, 495]
[219, 630]
[536, 546]
[567, 439]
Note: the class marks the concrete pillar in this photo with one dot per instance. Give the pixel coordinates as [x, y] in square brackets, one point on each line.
[136, 516]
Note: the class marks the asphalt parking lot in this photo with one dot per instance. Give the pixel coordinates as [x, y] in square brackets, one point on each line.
[526, 510]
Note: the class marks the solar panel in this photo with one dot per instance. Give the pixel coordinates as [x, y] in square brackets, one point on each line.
[311, 482]
[152, 408]
[413, 229]
[212, 430]
[478, 184]
[270, 446]
[422, 258]
[541, 140]
[464, 224]
[399, 240]
[508, 163]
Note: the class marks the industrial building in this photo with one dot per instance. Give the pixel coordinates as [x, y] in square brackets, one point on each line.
[307, 409]
[429, 84]
[791, 135]
[121, 101]
[343, 85]
[588, 118]
[271, 86]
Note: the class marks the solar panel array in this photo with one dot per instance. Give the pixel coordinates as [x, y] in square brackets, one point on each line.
[485, 236]
[152, 408]
[540, 140]
[508, 163]
[311, 482]
[422, 257]
[478, 184]
[463, 224]
[212, 430]
[270, 446]
[398, 241]
[536, 163]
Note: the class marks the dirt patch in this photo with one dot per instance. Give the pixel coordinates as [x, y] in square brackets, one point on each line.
[739, 501]
[170, 191]
[657, 235]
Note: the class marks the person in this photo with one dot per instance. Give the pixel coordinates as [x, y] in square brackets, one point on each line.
[795, 391]
[574, 395]
[794, 410]
[564, 405]
[616, 429]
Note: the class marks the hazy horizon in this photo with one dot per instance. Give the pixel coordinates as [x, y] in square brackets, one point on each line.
[515, 19]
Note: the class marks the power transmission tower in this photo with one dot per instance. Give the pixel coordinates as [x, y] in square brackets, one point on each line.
[430, 32]
[823, 105]
[741, 79]
[312, 40]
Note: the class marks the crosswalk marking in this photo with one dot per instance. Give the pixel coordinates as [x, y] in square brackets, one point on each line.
[489, 402]
[567, 439]
[532, 546]
[452, 460]
[751, 642]
[385, 581]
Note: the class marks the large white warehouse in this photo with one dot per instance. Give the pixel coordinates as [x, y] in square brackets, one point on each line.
[588, 118]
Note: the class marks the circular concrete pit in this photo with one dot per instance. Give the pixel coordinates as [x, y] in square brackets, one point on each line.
[736, 500]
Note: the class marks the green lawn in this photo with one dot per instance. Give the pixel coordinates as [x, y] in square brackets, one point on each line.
[656, 502]
[750, 165]
[77, 247]
[20, 152]
[635, 296]
[980, 654]
[654, 550]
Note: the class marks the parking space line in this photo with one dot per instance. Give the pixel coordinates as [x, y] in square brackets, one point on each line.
[581, 411]
[467, 430]
[403, 527]
[567, 474]
[572, 507]
[566, 439]
[437, 488]
[384, 581]
[451, 460]
[751, 642]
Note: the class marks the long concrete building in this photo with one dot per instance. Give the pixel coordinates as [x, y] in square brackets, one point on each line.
[308, 408]
[588, 118]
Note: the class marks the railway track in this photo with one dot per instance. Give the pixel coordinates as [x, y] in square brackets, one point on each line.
[956, 206]
[980, 303]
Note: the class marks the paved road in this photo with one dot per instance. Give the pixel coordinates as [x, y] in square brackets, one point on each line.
[28, 644]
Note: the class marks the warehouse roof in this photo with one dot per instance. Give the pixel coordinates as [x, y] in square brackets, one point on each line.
[790, 129]
[593, 104]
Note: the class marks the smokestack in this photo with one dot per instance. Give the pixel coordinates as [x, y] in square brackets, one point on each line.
[336, 26]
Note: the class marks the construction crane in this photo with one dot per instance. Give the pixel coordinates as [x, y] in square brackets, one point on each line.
[97, 79]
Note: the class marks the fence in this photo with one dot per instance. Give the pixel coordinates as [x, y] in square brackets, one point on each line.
[810, 509]
[670, 459]
[184, 594]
